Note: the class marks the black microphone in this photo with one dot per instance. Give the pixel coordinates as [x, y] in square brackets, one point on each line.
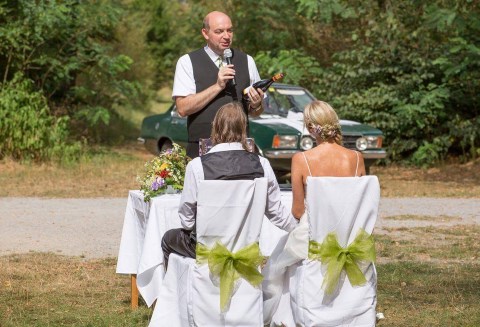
[227, 54]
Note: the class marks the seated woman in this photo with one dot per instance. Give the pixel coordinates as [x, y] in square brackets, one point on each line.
[227, 160]
[328, 158]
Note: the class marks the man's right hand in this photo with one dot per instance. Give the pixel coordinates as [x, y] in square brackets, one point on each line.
[225, 74]
[195, 102]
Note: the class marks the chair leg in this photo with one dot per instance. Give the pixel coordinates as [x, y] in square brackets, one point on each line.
[134, 291]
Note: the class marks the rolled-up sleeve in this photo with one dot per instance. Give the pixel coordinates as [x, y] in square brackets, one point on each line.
[278, 214]
[183, 82]
[187, 211]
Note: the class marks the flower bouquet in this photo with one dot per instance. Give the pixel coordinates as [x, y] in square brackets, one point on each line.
[164, 173]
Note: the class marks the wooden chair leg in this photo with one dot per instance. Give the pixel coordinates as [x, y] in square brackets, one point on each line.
[134, 291]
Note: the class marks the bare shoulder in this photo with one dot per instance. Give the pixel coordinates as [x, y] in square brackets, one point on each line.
[297, 158]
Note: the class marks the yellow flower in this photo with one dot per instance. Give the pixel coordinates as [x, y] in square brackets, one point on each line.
[164, 166]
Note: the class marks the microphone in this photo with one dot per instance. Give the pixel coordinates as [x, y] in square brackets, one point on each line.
[227, 54]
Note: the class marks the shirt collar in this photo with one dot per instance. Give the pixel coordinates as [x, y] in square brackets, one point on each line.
[212, 54]
[226, 147]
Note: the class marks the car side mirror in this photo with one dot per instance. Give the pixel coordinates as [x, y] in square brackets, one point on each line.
[175, 113]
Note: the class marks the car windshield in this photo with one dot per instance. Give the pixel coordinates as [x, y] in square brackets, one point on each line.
[282, 100]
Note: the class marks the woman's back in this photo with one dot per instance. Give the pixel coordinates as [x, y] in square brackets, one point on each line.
[331, 159]
[326, 159]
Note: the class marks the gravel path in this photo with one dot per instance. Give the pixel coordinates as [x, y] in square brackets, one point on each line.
[93, 227]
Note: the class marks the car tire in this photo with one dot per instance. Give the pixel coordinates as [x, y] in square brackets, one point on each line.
[164, 144]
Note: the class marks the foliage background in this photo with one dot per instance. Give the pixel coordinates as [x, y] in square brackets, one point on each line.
[410, 68]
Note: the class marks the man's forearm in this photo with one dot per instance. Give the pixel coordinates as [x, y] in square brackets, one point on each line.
[195, 102]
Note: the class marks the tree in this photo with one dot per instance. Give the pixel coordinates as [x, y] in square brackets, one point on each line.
[415, 76]
[64, 48]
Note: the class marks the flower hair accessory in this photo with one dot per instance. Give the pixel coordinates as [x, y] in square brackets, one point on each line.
[325, 132]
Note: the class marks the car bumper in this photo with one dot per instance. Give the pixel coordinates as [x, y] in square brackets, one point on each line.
[287, 154]
[279, 154]
[282, 159]
[374, 154]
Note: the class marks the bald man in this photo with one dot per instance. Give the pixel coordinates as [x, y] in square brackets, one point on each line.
[202, 85]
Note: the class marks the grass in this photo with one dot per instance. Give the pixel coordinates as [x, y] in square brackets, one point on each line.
[111, 172]
[455, 244]
[103, 173]
[44, 289]
[428, 294]
[435, 283]
[447, 180]
[441, 218]
[428, 276]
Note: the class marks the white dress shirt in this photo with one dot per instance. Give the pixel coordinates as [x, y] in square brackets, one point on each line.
[278, 214]
[184, 82]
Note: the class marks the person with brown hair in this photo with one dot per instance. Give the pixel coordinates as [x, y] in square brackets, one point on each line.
[228, 159]
[328, 158]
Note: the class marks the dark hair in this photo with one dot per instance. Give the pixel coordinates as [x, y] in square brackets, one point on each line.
[230, 125]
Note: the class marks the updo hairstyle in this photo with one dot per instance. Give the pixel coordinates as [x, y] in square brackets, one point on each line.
[322, 122]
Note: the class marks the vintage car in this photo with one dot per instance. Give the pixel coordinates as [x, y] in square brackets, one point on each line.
[278, 133]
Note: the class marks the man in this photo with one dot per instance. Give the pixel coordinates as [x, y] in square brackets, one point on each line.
[227, 160]
[201, 87]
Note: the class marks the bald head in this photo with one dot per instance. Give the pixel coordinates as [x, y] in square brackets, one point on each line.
[214, 16]
[217, 31]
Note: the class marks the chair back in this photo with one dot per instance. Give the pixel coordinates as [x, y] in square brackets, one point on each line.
[343, 205]
[230, 212]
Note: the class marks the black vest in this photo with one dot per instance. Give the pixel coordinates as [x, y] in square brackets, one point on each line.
[205, 73]
[232, 165]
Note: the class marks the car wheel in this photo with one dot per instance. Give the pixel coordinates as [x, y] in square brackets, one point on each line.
[164, 145]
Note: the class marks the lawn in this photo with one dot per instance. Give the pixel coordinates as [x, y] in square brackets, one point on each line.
[441, 289]
[111, 172]
[428, 277]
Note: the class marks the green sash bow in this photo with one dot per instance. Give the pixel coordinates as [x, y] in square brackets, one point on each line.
[337, 258]
[231, 266]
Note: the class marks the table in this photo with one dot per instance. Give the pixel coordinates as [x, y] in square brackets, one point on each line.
[140, 254]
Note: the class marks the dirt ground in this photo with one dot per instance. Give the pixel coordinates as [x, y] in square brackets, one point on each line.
[92, 228]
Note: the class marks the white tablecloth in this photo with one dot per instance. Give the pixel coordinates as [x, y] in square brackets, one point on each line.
[145, 224]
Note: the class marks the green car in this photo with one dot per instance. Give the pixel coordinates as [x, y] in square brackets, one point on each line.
[279, 132]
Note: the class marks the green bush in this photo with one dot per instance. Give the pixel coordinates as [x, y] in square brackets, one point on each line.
[27, 130]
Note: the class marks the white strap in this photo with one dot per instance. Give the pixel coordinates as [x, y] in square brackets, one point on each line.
[356, 169]
[306, 161]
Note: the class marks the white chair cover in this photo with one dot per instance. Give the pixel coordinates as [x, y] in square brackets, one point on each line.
[230, 212]
[334, 204]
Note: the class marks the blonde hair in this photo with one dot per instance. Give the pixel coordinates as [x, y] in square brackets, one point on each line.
[230, 125]
[322, 122]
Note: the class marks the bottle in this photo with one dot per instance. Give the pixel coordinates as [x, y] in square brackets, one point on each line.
[264, 84]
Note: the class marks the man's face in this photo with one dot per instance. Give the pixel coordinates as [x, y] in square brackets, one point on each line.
[219, 35]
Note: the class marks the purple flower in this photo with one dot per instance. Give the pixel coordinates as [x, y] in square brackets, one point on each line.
[154, 186]
[160, 182]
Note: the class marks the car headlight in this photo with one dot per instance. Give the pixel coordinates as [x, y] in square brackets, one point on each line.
[368, 142]
[284, 142]
[306, 143]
